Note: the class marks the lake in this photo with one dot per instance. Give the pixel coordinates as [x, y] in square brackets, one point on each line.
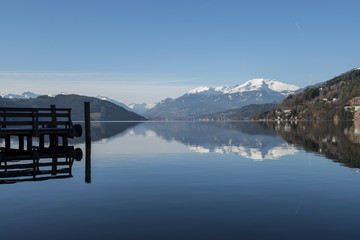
[197, 180]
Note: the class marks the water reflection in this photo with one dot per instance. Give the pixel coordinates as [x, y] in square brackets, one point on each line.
[38, 164]
[103, 131]
[337, 141]
[253, 140]
[243, 138]
[149, 183]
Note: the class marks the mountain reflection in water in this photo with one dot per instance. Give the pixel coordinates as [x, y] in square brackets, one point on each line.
[253, 140]
[243, 138]
[337, 141]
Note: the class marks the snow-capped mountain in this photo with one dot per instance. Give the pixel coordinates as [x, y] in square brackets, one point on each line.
[141, 108]
[24, 95]
[28, 95]
[204, 100]
[258, 84]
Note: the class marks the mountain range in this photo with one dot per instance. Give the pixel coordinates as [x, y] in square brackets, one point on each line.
[202, 100]
[205, 100]
[338, 99]
[100, 110]
[134, 107]
[24, 95]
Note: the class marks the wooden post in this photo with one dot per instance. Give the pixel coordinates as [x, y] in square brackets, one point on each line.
[54, 140]
[53, 116]
[7, 142]
[65, 141]
[4, 120]
[29, 143]
[35, 122]
[54, 164]
[41, 142]
[21, 142]
[87, 142]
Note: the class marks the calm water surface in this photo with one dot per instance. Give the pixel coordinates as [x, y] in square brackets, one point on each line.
[188, 180]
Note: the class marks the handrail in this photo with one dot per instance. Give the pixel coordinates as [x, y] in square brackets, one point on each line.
[35, 119]
[31, 109]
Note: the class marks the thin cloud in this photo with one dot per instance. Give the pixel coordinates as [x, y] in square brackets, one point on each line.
[300, 30]
[47, 74]
[87, 77]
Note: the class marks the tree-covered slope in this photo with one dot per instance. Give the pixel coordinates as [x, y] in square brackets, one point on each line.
[245, 113]
[336, 99]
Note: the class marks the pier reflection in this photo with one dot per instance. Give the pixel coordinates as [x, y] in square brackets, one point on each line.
[48, 161]
[37, 164]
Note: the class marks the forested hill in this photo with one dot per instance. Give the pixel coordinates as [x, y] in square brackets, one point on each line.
[336, 99]
[100, 110]
[244, 113]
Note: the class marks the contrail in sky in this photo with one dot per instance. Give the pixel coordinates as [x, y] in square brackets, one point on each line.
[299, 28]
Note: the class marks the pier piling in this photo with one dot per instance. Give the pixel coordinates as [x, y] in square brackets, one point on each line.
[87, 143]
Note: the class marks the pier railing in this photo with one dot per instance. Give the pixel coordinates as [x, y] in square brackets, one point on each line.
[37, 122]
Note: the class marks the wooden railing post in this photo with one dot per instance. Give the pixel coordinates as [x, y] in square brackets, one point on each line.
[69, 119]
[53, 116]
[53, 137]
[41, 141]
[7, 142]
[4, 120]
[21, 142]
[29, 143]
[35, 121]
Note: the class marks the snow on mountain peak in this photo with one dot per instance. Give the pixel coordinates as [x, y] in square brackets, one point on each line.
[256, 84]
[103, 98]
[24, 95]
[222, 89]
[265, 84]
[281, 87]
[199, 90]
[29, 95]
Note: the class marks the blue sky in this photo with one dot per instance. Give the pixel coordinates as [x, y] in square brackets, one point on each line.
[147, 50]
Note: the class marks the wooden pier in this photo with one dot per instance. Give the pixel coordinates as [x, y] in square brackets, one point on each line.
[34, 134]
[28, 123]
